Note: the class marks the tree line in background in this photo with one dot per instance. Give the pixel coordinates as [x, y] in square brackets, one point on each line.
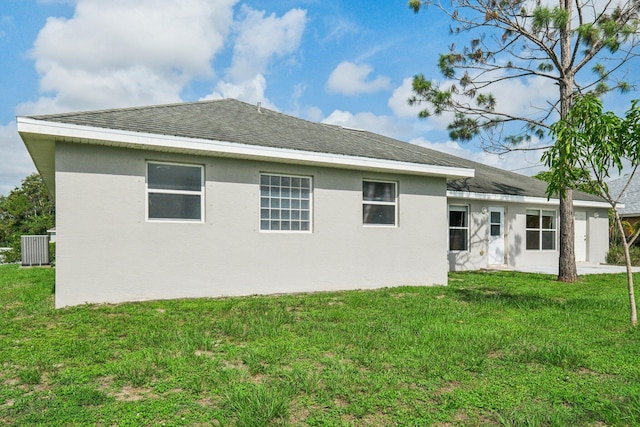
[28, 209]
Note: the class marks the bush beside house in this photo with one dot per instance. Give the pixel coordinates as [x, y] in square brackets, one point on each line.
[27, 210]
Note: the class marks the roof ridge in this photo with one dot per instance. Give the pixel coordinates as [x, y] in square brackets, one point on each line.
[448, 157]
[134, 108]
[404, 145]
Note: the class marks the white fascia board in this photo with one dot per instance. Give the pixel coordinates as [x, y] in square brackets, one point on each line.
[491, 197]
[169, 143]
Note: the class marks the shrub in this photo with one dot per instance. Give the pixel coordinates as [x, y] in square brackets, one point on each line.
[616, 255]
[52, 253]
[14, 254]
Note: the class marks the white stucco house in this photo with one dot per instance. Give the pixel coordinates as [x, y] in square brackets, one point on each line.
[220, 198]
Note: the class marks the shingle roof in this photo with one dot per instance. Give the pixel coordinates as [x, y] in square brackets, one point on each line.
[235, 121]
[238, 122]
[630, 198]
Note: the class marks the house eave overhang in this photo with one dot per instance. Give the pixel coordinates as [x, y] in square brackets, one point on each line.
[34, 130]
[491, 197]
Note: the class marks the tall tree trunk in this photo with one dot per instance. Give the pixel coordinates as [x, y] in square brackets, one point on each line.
[567, 271]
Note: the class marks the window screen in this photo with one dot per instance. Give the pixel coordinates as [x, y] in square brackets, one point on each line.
[174, 192]
[379, 203]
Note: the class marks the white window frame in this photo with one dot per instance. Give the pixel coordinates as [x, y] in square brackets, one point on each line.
[149, 191]
[382, 203]
[541, 230]
[458, 208]
[261, 208]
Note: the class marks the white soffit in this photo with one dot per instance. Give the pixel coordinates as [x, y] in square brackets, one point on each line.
[169, 143]
[491, 197]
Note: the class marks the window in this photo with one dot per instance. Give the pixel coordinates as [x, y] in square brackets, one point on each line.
[458, 228]
[541, 229]
[175, 192]
[495, 223]
[379, 203]
[285, 203]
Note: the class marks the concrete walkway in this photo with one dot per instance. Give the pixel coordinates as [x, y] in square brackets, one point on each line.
[583, 268]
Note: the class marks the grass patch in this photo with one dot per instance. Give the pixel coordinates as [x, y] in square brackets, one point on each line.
[492, 348]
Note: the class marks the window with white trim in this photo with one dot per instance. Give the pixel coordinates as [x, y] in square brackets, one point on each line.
[458, 228]
[541, 230]
[175, 192]
[285, 203]
[379, 203]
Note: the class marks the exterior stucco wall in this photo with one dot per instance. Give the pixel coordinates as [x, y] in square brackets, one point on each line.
[516, 254]
[476, 257]
[108, 252]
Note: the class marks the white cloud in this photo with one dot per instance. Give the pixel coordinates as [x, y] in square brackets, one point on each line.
[352, 79]
[314, 114]
[259, 41]
[399, 100]
[119, 52]
[524, 97]
[79, 89]
[383, 125]
[16, 163]
[339, 27]
[251, 91]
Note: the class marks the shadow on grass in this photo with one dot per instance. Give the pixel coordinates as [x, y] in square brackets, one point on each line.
[491, 295]
[539, 291]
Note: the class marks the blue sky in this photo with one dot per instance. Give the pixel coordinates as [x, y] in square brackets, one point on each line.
[342, 62]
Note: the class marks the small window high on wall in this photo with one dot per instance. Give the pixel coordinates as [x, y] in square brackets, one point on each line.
[458, 228]
[175, 192]
[379, 203]
[541, 229]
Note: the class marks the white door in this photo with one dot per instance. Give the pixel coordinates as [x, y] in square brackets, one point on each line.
[496, 236]
[580, 229]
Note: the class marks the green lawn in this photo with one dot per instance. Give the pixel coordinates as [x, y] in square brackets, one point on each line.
[490, 349]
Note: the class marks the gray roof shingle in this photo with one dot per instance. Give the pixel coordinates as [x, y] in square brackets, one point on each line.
[630, 198]
[238, 122]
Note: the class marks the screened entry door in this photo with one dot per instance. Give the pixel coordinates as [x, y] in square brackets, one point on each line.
[496, 236]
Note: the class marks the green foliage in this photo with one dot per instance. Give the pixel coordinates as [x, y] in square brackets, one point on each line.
[593, 140]
[545, 19]
[490, 349]
[516, 40]
[463, 128]
[28, 209]
[616, 255]
[52, 253]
